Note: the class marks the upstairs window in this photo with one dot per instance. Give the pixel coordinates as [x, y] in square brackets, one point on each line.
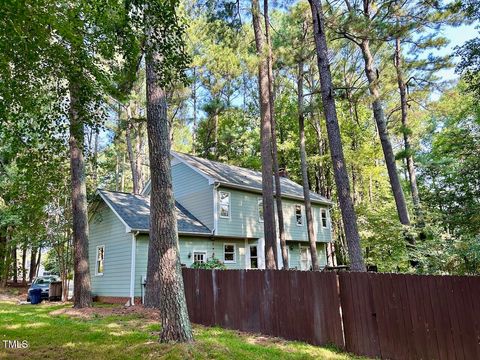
[199, 257]
[298, 215]
[224, 204]
[229, 253]
[324, 218]
[100, 260]
[260, 210]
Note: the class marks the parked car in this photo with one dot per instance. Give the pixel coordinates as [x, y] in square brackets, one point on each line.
[42, 282]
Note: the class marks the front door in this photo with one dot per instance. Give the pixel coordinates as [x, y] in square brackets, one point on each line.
[305, 258]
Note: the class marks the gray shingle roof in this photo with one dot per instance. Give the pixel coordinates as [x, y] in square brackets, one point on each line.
[134, 210]
[246, 178]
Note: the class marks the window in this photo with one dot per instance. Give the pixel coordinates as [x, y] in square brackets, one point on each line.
[253, 257]
[229, 255]
[224, 204]
[324, 218]
[199, 257]
[260, 210]
[298, 215]
[100, 260]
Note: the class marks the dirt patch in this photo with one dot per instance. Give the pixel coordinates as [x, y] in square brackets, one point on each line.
[13, 294]
[88, 313]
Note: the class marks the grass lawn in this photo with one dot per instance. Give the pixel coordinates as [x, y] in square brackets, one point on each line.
[132, 336]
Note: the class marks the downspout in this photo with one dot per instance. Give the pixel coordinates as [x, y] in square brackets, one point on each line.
[132, 268]
[215, 208]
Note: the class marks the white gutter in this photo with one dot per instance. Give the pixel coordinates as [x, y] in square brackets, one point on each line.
[215, 208]
[259, 191]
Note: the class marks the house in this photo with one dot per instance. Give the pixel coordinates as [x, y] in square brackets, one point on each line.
[219, 215]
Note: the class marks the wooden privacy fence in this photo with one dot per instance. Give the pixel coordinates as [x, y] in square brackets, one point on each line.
[291, 304]
[379, 315]
[411, 316]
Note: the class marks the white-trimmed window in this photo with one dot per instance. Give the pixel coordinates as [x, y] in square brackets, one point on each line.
[260, 210]
[253, 256]
[298, 215]
[199, 257]
[224, 200]
[229, 253]
[100, 260]
[324, 216]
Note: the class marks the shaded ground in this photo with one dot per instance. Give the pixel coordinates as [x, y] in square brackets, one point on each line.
[13, 294]
[56, 331]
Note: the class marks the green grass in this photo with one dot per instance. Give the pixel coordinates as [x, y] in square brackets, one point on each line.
[132, 337]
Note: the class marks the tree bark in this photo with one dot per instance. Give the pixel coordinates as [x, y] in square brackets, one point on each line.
[194, 98]
[165, 288]
[412, 176]
[131, 155]
[39, 259]
[276, 170]
[379, 116]
[81, 287]
[303, 161]
[336, 151]
[33, 262]
[24, 264]
[14, 263]
[266, 141]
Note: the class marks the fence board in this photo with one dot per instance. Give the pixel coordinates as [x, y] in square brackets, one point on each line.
[377, 315]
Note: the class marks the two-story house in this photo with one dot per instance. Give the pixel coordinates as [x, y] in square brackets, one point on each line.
[219, 215]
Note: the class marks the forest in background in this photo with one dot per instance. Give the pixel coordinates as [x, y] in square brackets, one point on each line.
[433, 125]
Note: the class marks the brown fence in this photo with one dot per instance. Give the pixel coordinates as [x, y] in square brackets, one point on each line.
[411, 316]
[378, 315]
[291, 304]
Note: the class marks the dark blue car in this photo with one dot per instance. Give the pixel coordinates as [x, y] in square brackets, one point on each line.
[42, 282]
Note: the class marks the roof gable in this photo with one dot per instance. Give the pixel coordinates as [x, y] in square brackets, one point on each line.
[134, 212]
[235, 176]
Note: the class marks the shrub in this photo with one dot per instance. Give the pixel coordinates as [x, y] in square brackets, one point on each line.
[211, 263]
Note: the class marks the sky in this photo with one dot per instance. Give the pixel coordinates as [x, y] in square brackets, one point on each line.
[457, 36]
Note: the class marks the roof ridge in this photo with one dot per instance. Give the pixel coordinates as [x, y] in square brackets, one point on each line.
[218, 162]
[121, 192]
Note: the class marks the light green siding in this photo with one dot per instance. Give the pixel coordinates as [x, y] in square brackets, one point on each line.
[244, 222]
[294, 251]
[187, 246]
[193, 192]
[106, 229]
[141, 257]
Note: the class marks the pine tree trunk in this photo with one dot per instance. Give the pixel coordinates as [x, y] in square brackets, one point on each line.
[336, 151]
[276, 170]
[24, 264]
[3, 257]
[14, 263]
[95, 159]
[139, 154]
[379, 116]
[38, 263]
[194, 98]
[165, 288]
[412, 176]
[131, 154]
[266, 141]
[33, 264]
[303, 161]
[81, 287]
